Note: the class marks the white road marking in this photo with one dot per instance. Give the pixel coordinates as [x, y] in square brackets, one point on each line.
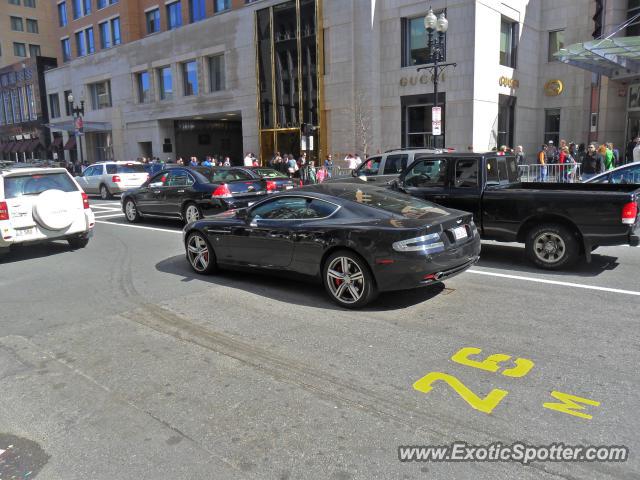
[554, 282]
[101, 207]
[140, 226]
[109, 215]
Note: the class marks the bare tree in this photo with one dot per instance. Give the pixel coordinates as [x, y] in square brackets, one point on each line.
[362, 113]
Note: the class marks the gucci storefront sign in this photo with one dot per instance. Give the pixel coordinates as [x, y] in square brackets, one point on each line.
[416, 79]
[508, 82]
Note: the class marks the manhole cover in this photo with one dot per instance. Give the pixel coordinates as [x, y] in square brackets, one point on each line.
[20, 459]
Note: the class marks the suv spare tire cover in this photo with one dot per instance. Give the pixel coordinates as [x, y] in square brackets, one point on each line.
[54, 210]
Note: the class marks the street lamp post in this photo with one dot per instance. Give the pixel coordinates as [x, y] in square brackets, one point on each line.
[436, 49]
[78, 112]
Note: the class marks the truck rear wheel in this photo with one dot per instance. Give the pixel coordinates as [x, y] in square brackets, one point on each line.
[552, 246]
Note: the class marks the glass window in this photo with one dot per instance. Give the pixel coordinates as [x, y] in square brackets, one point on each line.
[416, 121]
[389, 201]
[125, 168]
[153, 21]
[34, 50]
[508, 43]
[54, 105]
[16, 24]
[427, 173]
[216, 73]
[77, 8]
[105, 35]
[556, 42]
[166, 83]
[414, 40]
[100, 95]
[174, 15]
[32, 25]
[190, 78]
[19, 49]
[115, 31]
[225, 174]
[143, 87]
[370, 167]
[506, 120]
[221, 5]
[87, 7]
[91, 48]
[62, 14]
[196, 10]
[502, 170]
[633, 29]
[466, 173]
[269, 173]
[30, 3]
[552, 125]
[15, 187]
[626, 175]
[81, 47]
[66, 49]
[292, 208]
[395, 164]
[14, 2]
[67, 105]
[178, 178]
[110, 33]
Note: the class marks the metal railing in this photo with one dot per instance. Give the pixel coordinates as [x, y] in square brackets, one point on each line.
[551, 173]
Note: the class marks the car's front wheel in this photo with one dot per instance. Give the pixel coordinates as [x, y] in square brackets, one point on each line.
[552, 246]
[200, 254]
[131, 211]
[348, 280]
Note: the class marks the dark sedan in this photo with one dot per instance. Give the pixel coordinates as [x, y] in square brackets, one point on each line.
[276, 181]
[357, 239]
[186, 193]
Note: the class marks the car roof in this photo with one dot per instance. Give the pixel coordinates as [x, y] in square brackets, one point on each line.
[621, 167]
[117, 162]
[21, 171]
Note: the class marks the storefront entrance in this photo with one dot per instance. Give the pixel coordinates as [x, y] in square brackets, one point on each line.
[201, 138]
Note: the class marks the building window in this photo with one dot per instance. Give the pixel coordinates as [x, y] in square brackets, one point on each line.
[62, 14]
[32, 25]
[556, 43]
[174, 15]
[166, 83]
[416, 121]
[110, 33]
[81, 8]
[67, 105]
[506, 120]
[633, 9]
[153, 21]
[34, 50]
[19, 49]
[216, 73]
[66, 49]
[508, 43]
[196, 10]
[16, 24]
[142, 79]
[30, 3]
[14, 2]
[414, 43]
[54, 105]
[221, 5]
[81, 46]
[552, 125]
[100, 95]
[105, 3]
[91, 47]
[190, 78]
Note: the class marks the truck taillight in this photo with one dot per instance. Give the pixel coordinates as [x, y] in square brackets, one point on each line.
[629, 213]
[85, 200]
[221, 191]
[116, 179]
[271, 186]
[4, 211]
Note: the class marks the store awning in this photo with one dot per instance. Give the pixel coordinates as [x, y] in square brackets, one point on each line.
[71, 143]
[57, 143]
[88, 127]
[3, 147]
[612, 57]
[24, 147]
[34, 145]
[8, 147]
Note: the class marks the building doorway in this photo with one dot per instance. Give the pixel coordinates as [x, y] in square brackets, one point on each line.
[202, 138]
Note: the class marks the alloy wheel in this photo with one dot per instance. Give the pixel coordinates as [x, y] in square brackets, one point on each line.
[191, 214]
[198, 253]
[104, 193]
[345, 280]
[549, 247]
[130, 211]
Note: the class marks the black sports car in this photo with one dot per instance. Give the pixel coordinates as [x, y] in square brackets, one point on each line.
[187, 193]
[357, 239]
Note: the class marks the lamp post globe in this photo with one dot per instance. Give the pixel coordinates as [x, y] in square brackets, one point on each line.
[430, 20]
[70, 98]
[443, 23]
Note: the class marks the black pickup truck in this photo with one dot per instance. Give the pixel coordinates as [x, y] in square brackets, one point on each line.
[559, 223]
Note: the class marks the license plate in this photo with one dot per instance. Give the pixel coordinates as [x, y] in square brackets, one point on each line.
[288, 187]
[22, 232]
[460, 233]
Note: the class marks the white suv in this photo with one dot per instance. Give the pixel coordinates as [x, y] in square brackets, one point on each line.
[43, 204]
[109, 178]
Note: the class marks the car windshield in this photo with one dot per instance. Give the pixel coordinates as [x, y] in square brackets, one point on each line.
[125, 168]
[17, 186]
[269, 173]
[392, 202]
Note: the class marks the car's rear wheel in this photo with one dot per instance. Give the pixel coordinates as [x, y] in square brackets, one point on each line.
[105, 194]
[131, 211]
[78, 242]
[348, 280]
[191, 213]
[552, 246]
[200, 254]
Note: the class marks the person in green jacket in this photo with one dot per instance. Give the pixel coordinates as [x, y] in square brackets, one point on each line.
[608, 158]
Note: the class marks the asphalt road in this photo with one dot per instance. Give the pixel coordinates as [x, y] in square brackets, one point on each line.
[118, 362]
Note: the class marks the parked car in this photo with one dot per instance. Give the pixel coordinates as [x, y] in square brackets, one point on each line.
[276, 181]
[558, 222]
[357, 239]
[188, 194]
[110, 178]
[384, 168]
[42, 204]
[629, 173]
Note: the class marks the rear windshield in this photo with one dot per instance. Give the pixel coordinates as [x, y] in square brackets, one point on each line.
[15, 187]
[125, 168]
[397, 203]
[220, 175]
[269, 173]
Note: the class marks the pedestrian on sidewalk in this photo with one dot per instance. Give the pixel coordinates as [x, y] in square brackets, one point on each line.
[591, 163]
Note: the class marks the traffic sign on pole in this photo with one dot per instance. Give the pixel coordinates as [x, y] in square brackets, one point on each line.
[436, 120]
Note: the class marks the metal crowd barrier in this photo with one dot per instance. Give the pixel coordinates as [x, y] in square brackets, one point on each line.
[552, 173]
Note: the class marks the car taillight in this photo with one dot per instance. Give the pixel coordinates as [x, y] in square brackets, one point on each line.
[4, 211]
[629, 213]
[85, 200]
[116, 179]
[271, 186]
[222, 191]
